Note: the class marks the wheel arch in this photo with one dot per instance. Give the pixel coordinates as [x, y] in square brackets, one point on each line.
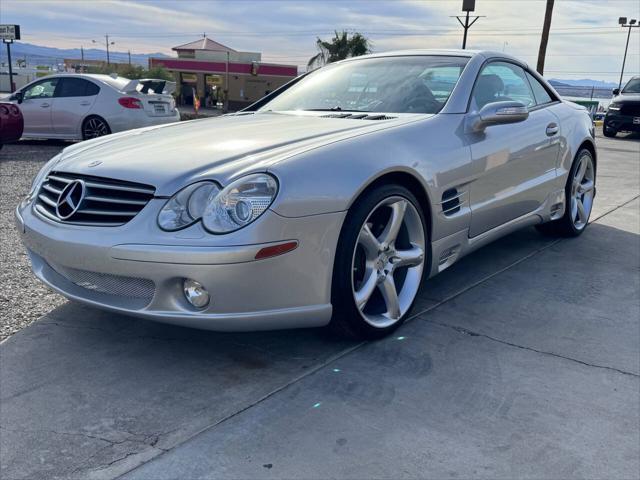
[89, 117]
[408, 180]
[589, 145]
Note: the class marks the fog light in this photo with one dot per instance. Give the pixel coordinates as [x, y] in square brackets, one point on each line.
[195, 293]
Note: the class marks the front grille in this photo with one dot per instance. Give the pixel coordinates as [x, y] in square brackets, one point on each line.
[630, 108]
[129, 287]
[96, 201]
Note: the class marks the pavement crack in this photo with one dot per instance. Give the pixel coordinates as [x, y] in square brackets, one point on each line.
[358, 345]
[74, 434]
[471, 333]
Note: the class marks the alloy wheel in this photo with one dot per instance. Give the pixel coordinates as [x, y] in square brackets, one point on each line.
[94, 127]
[388, 261]
[582, 192]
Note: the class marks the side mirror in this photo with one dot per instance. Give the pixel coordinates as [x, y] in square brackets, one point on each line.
[18, 97]
[616, 91]
[497, 113]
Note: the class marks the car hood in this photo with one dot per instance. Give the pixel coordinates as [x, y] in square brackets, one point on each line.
[222, 148]
[626, 97]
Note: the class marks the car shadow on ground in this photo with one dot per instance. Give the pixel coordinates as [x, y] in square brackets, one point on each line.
[42, 142]
[631, 136]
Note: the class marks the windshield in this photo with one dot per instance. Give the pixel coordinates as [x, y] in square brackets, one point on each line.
[412, 84]
[632, 86]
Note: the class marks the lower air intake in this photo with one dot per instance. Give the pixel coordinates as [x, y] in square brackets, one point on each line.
[128, 287]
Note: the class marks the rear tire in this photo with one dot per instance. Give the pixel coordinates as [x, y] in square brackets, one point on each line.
[608, 132]
[94, 127]
[379, 263]
[579, 195]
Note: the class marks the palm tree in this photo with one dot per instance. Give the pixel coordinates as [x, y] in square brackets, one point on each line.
[340, 47]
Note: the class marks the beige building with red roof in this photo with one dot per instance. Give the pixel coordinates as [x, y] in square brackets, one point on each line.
[214, 71]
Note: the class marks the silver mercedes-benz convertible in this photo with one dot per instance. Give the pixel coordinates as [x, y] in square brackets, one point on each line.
[328, 202]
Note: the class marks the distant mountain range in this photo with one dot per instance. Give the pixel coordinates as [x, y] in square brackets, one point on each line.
[586, 82]
[39, 55]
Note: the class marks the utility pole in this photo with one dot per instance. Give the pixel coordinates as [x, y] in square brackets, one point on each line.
[467, 6]
[542, 53]
[129, 52]
[622, 21]
[227, 90]
[107, 43]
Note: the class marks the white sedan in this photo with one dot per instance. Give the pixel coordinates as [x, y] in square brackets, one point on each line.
[82, 106]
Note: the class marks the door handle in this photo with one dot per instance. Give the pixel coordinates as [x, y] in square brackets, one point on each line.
[84, 104]
[552, 129]
[44, 105]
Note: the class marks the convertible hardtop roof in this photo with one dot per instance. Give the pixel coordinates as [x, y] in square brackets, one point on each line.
[454, 52]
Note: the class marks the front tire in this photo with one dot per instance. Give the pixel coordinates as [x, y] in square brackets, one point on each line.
[579, 195]
[379, 264]
[94, 127]
[608, 132]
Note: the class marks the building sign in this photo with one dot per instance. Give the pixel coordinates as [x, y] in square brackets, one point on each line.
[214, 80]
[10, 32]
[189, 78]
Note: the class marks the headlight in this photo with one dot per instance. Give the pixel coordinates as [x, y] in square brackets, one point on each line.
[240, 203]
[615, 106]
[187, 206]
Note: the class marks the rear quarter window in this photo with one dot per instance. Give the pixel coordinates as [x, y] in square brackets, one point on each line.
[92, 89]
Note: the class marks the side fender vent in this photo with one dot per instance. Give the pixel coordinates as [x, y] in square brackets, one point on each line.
[451, 201]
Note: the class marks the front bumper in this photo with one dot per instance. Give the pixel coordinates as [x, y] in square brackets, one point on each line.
[137, 269]
[626, 123]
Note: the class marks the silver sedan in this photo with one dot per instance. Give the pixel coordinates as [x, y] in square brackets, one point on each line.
[328, 202]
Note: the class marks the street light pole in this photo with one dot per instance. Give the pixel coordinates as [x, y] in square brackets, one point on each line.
[623, 23]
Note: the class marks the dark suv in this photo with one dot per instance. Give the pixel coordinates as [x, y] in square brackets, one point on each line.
[624, 111]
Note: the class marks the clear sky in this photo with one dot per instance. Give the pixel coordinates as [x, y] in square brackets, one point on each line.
[585, 42]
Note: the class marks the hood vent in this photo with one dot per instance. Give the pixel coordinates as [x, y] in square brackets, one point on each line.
[359, 116]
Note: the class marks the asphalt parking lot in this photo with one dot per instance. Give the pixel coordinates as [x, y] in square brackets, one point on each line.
[522, 360]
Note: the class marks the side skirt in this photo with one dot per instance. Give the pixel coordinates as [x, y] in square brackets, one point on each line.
[446, 251]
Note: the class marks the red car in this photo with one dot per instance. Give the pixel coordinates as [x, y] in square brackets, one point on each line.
[11, 123]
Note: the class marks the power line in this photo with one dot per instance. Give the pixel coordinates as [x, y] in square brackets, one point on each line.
[283, 33]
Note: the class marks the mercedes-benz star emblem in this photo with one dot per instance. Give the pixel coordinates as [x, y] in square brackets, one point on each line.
[70, 199]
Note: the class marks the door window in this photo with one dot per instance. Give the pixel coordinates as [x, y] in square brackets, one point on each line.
[539, 92]
[43, 89]
[76, 87]
[502, 81]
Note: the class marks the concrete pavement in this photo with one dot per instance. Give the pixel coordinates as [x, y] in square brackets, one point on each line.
[522, 360]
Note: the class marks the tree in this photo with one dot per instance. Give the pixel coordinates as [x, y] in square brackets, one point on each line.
[340, 47]
[542, 53]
